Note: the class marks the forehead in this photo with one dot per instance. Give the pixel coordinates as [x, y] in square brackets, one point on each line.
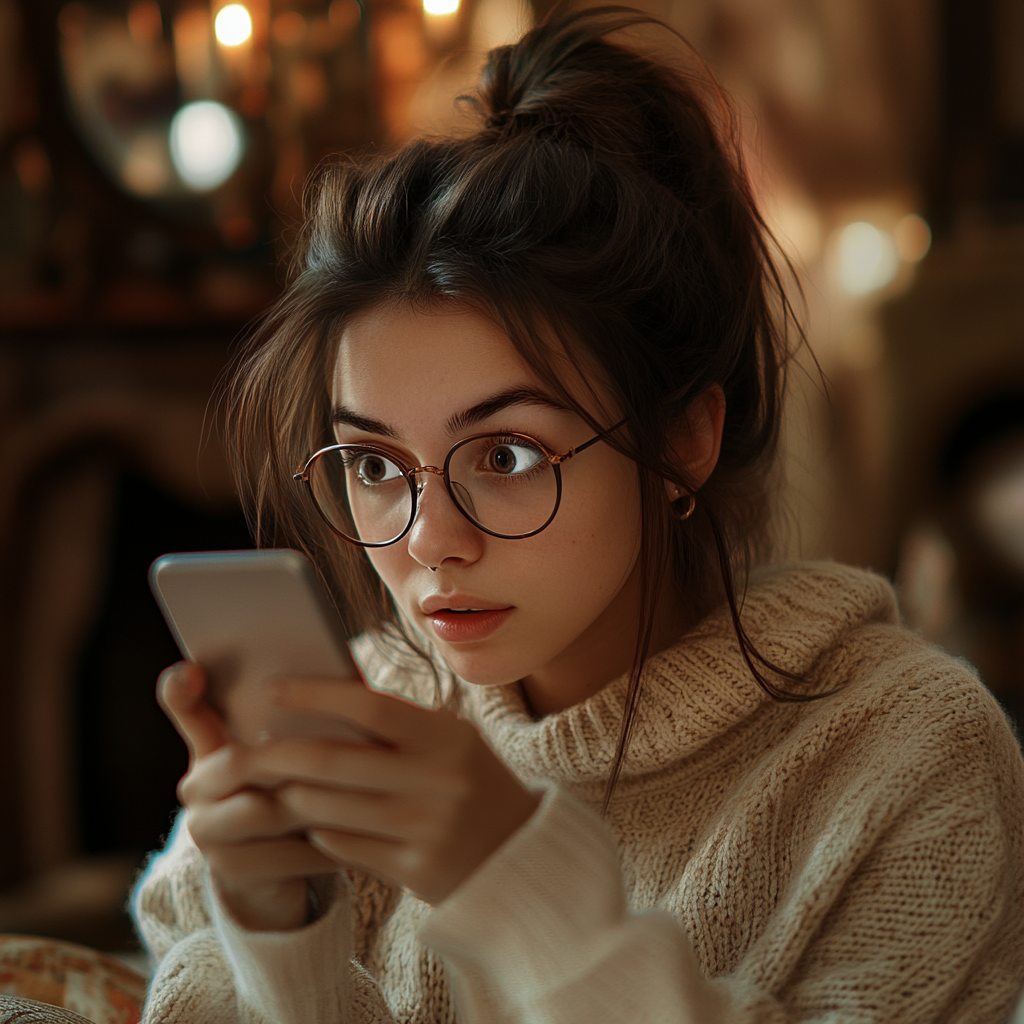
[396, 354]
[413, 367]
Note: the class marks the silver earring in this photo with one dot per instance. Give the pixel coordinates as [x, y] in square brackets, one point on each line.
[682, 505]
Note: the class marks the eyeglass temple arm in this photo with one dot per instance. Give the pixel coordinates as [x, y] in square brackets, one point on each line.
[559, 459]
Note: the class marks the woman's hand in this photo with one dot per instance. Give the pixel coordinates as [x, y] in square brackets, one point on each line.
[425, 811]
[258, 858]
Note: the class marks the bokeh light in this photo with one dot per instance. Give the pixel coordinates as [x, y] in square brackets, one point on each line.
[867, 258]
[913, 237]
[288, 28]
[1000, 509]
[146, 170]
[233, 25]
[206, 144]
[440, 7]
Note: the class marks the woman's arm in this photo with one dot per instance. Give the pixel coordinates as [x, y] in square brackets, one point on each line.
[209, 969]
[214, 962]
[543, 932]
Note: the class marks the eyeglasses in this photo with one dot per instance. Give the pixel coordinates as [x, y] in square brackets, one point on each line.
[508, 485]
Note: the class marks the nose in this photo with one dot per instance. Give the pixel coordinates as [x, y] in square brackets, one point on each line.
[440, 532]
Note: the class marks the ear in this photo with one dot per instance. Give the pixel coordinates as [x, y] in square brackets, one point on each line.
[699, 440]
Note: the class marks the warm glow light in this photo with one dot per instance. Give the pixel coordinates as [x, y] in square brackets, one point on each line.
[145, 23]
[206, 144]
[233, 25]
[1000, 510]
[913, 237]
[437, 7]
[288, 28]
[145, 169]
[867, 258]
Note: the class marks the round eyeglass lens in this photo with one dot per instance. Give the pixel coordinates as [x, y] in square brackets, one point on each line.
[362, 493]
[504, 483]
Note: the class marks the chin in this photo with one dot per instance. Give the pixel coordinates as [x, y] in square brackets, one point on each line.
[483, 670]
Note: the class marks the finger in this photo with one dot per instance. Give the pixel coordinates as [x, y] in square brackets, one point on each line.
[249, 815]
[383, 715]
[316, 807]
[396, 862]
[215, 776]
[272, 859]
[329, 762]
[180, 691]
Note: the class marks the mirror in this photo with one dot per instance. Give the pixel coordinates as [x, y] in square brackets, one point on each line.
[200, 108]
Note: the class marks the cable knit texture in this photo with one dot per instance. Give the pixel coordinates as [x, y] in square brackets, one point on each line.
[854, 860]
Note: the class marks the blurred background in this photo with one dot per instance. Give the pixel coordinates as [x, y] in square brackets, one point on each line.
[152, 155]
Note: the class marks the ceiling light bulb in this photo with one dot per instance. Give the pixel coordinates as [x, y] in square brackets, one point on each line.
[233, 25]
[440, 7]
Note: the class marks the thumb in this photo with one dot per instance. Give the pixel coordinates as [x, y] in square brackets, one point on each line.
[181, 691]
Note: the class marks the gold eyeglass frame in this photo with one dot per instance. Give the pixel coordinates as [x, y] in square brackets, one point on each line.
[553, 458]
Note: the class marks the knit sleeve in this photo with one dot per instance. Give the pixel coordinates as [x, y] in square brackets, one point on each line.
[542, 932]
[209, 970]
[920, 927]
[167, 904]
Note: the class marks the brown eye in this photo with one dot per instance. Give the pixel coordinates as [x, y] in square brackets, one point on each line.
[503, 460]
[513, 459]
[375, 469]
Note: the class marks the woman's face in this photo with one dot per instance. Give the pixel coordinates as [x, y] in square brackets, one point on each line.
[556, 610]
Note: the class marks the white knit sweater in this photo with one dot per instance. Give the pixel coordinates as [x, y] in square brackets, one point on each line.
[854, 860]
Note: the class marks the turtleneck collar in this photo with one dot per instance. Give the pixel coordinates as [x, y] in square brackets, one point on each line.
[693, 691]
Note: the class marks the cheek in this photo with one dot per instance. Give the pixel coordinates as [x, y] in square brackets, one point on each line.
[597, 543]
[392, 564]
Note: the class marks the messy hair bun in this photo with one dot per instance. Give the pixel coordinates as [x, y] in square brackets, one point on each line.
[602, 202]
[564, 79]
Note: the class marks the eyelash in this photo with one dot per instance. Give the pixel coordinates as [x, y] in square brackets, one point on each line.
[506, 434]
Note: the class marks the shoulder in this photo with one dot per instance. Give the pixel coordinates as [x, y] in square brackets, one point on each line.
[839, 627]
[918, 701]
[817, 599]
[915, 719]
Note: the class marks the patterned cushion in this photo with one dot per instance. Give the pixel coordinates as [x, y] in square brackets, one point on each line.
[97, 986]
[14, 1010]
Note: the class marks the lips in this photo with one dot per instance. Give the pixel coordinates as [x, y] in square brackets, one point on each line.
[462, 618]
[463, 627]
[457, 602]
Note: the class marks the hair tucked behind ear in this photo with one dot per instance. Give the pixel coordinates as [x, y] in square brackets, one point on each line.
[599, 215]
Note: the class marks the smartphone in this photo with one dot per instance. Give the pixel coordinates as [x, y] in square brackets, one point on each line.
[250, 616]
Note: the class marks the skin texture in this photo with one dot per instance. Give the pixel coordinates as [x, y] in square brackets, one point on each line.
[429, 804]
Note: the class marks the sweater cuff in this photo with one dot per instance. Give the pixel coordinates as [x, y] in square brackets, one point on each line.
[293, 977]
[542, 909]
[542, 932]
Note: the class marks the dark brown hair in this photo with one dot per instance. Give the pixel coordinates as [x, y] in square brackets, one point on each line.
[602, 201]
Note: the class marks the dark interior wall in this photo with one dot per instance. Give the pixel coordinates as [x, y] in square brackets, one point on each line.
[977, 172]
[129, 757]
[90, 762]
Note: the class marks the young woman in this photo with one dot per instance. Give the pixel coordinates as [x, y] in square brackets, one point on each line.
[531, 379]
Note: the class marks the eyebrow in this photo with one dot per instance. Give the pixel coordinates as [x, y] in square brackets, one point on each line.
[461, 420]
